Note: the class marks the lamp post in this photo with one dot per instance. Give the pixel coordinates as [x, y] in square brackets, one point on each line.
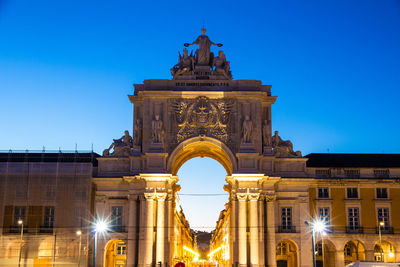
[20, 222]
[101, 227]
[317, 226]
[79, 233]
[381, 224]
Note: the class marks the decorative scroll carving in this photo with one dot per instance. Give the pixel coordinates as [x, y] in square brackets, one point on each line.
[202, 116]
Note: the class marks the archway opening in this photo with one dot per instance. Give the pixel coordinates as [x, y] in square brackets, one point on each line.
[354, 251]
[384, 252]
[115, 253]
[287, 254]
[203, 199]
[325, 253]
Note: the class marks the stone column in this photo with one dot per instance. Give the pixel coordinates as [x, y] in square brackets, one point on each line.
[132, 238]
[253, 225]
[148, 239]
[160, 245]
[339, 258]
[305, 247]
[270, 224]
[242, 233]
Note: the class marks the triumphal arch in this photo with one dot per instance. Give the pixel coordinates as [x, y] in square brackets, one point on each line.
[201, 111]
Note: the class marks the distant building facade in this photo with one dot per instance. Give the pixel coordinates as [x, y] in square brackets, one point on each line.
[48, 198]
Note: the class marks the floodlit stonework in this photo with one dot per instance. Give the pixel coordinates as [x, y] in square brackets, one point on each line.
[200, 112]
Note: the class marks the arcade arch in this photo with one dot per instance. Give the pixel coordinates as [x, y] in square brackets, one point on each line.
[115, 253]
[325, 253]
[354, 251]
[384, 252]
[287, 254]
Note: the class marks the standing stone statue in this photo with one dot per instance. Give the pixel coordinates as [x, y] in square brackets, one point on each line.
[247, 129]
[137, 134]
[157, 130]
[222, 66]
[266, 134]
[203, 53]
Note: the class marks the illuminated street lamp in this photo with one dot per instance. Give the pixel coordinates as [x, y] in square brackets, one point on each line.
[20, 222]
[79, 233]
[381, 224]
[317, 226]
[100, 226]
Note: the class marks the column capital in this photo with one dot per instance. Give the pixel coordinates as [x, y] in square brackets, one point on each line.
[241, 196]
[150, 196]
[270, 196]
[253, 196]
[161, 196]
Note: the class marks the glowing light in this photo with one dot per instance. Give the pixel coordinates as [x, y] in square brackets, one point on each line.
[191, 251]
[391, 254]
[79, 232]
[101, 226]
[214, 251]
[20, 222]
[319, 226]
[382, 223]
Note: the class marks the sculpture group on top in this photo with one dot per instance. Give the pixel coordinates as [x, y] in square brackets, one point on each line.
[202, 59]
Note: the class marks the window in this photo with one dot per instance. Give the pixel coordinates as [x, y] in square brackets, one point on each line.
[286, 218]
[352, 192]
[383, 216]
[318, 249]
[49, 217]
[354, 218]
[381, 173]
[116, 218]
[324, 216]
[19, 214]
[381, 193]
[121, 248]
[323, 173]
[352, 173]
[347, 250]
[323, 192]
[281, 249]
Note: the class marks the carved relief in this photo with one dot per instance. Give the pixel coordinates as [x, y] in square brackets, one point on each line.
[137, 133]
[202, 116]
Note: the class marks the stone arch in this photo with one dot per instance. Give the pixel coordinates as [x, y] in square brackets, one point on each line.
[202, 146]
[287, 254]
[354, 250]
[385, 251]
[325, 253]
[115, 253]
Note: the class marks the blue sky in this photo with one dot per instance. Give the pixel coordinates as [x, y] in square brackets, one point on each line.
[66, 67]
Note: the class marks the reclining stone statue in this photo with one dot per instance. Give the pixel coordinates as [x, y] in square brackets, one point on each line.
[122, 146]
[283, 148]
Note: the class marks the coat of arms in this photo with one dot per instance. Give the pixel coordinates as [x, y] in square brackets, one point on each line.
[202, 116]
